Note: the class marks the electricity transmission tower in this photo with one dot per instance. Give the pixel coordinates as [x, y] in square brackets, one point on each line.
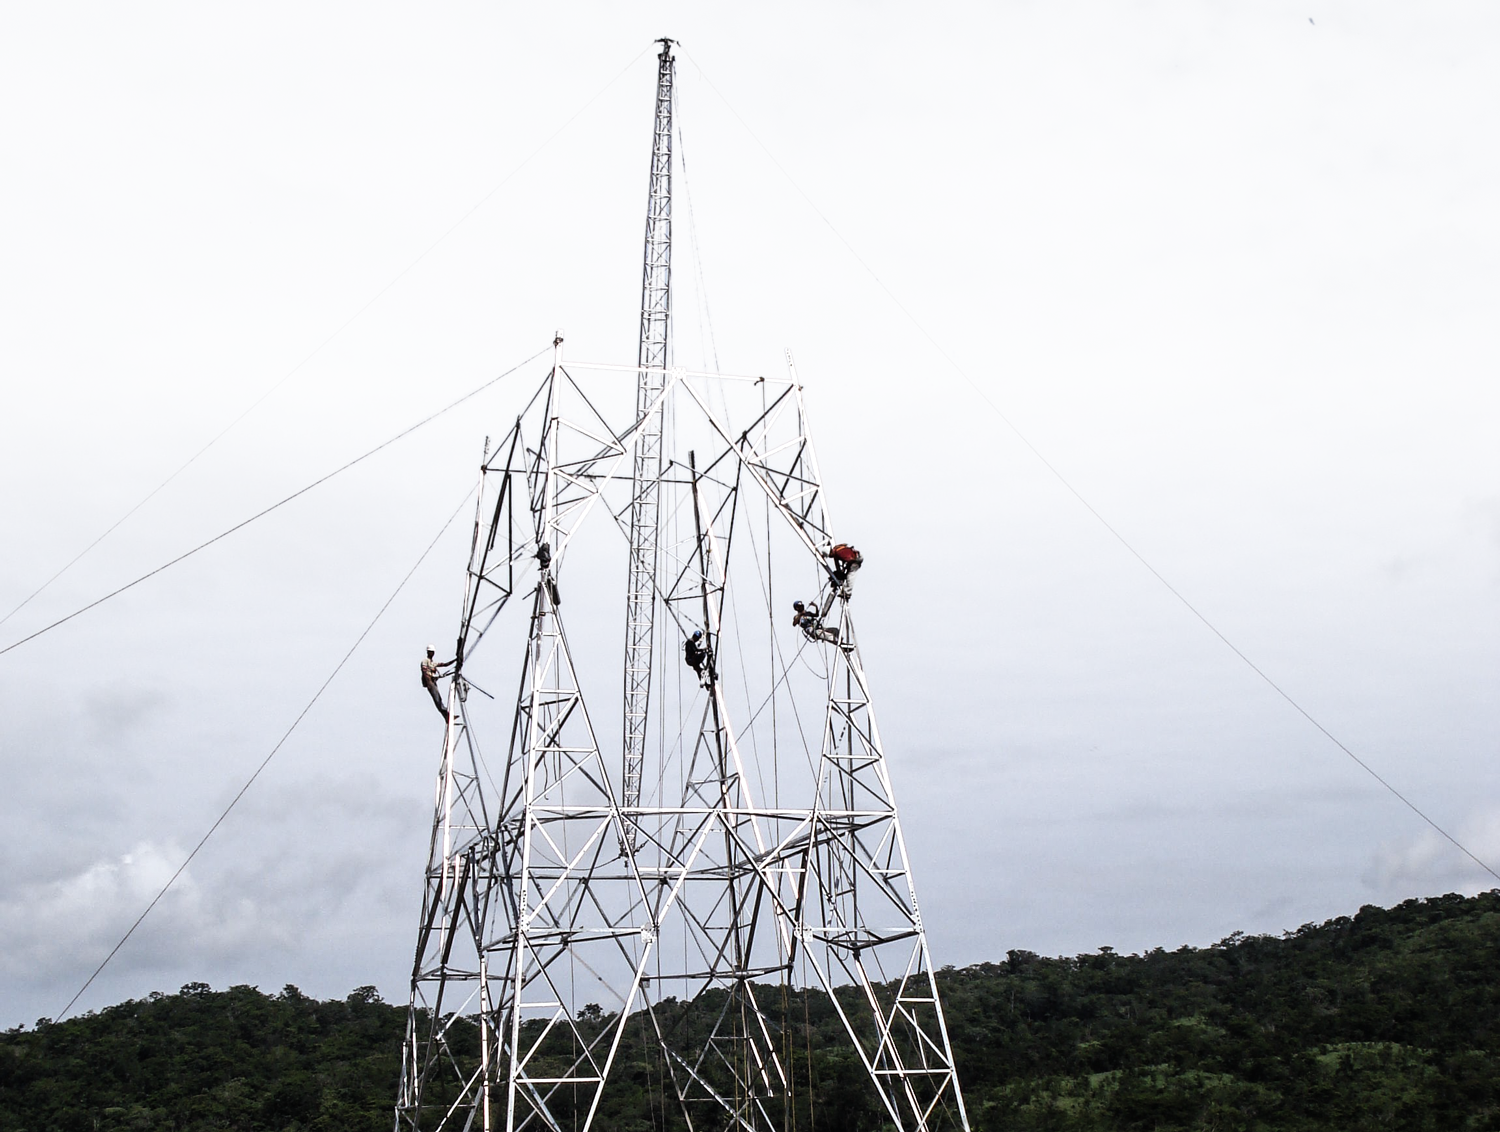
[606, 931]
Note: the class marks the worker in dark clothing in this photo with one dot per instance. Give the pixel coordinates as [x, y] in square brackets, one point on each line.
[846, 560]
[699, 657]
[806, 618]
[431, 668]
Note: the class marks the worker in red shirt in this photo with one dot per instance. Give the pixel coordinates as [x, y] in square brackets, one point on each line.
[846, 560]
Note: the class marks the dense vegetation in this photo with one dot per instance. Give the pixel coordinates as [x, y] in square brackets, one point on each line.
[1386, 1020]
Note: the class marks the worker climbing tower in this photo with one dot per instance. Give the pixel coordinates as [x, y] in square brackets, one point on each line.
[641, 936]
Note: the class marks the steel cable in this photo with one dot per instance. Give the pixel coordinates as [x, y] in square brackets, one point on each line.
[275, 506]
[1092, 510]
[321, 346]
[155, 900]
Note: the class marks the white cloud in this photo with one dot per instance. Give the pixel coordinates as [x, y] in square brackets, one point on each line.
[1234, 275]
[64, 927]
[1428, 863]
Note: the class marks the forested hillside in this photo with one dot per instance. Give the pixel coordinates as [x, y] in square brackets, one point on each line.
[1389, 1019]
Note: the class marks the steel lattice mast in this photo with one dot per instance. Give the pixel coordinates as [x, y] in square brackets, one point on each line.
[656, 319]
[604, 931]
[764, 861]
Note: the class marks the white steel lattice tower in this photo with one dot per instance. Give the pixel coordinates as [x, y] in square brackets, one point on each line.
[640, 937]
[656, 317]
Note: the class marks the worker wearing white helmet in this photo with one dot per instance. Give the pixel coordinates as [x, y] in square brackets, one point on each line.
[431, 668]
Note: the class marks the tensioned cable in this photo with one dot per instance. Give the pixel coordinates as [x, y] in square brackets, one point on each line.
[1092, 510]
[400, 275]
[267, 760]
[701, 306]
[280, 503]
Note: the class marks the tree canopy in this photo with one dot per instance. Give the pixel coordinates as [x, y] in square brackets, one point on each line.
[1388, 1019]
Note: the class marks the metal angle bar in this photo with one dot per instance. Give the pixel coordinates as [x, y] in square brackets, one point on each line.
[587, 503]
[769, 415]
[795, 521]
[911, 965]
[584, 397]
[783, 446]
[635, 988]
[713, 1093]
[812, 455]
[885, 1047]
[569, 870]
[609, 448]
[555, 1081]
[524, 1059]
[586, 1055]
[677, 371]
[801, 816]
[716, 1042]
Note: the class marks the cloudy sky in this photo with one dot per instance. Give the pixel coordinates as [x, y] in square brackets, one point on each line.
[1231, 269]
